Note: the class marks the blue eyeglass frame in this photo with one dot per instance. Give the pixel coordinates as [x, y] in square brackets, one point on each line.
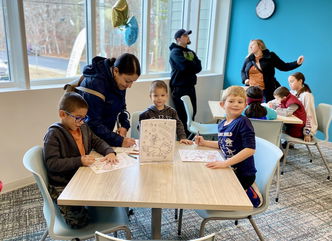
[78, 118]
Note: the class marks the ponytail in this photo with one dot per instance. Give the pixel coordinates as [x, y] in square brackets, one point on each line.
[112, 61]
[255, 110]
[254, 100]
[305, 88]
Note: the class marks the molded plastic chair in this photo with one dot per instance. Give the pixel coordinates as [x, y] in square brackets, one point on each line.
[266, 166]
[270, 130]
[134, 133]
[103, 237]
[102, 218]
[324, 117]
[193, 126]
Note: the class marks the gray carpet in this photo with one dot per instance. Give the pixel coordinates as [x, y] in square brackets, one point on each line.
[304, 211]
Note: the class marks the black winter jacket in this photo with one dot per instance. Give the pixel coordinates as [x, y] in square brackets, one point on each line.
[103, 115]
[185, 65]
[268, 63]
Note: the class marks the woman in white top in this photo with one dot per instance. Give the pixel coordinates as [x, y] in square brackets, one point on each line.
[303, 93]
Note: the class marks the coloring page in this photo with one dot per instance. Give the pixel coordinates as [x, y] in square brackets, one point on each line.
[157, 140]
[200, 155]
[103, 166]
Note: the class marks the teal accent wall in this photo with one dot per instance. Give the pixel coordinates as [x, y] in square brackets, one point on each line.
[296, 28]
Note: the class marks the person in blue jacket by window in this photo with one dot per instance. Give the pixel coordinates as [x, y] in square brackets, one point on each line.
[185, 65]
[111, 78]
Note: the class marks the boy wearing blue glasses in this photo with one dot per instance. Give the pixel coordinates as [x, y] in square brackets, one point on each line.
[67, 145]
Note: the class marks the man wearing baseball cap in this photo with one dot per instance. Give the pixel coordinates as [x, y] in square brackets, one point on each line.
[185, 65]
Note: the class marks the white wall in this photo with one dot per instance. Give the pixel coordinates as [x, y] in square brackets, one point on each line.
[26, 115]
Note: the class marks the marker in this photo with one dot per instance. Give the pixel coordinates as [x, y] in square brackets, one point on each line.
[132, 156]
[195, 135]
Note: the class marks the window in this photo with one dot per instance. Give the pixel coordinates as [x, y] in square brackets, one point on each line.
[60, 37]
[110, 40]
[55, 38]
[165, 19]
[4, 70]
[204, 27]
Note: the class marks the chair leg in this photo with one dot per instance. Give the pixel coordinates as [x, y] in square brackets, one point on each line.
[180, 221]
[128, 232]
[311, 156]
[44, 235]
[278, 181]
[324, 161]
[176, 214]
[202, 228]
[284, 159]
[259, 234]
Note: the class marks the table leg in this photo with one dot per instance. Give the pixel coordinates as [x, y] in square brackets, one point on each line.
[156, 223]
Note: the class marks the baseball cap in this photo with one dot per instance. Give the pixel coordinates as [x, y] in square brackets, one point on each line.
[181, 32]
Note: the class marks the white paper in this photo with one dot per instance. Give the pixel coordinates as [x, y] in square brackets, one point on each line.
[200, 155]
[103, 166]
[157, 140]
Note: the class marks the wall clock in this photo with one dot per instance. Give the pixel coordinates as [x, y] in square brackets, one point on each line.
[265, 8]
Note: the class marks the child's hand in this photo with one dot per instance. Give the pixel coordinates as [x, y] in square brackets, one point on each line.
[87, 160]
[186, 141]
[111, 158]
[217, 164]
[199, 140]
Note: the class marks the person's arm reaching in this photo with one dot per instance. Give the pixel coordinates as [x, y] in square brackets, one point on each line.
[283, 66]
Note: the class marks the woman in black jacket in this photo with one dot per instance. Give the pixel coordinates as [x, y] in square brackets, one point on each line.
[259, 68]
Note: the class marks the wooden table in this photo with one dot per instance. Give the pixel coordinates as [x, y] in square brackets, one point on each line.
[176, 184]
[219, 113]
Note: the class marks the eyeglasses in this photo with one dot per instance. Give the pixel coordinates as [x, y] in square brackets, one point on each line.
[78, 118]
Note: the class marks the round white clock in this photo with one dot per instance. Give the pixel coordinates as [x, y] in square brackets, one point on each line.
[265, 8]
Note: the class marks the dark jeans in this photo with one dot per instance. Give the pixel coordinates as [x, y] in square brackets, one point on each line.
[176, 94]
[246, 181]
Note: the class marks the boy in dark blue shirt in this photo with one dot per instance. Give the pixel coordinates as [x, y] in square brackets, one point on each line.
[236, 140]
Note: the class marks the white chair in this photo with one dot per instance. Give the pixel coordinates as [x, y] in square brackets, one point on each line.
[103, 237]
[209, 237]
[134, 133]
[270, 130]
[266, 166]
[324, 117]
[102, 218]
[196, 127]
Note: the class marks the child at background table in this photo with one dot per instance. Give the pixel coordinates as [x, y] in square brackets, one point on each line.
[287, 104]
[254, 108]
[236, 140]
[67, 145]
[159, 109]
[302, 91]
